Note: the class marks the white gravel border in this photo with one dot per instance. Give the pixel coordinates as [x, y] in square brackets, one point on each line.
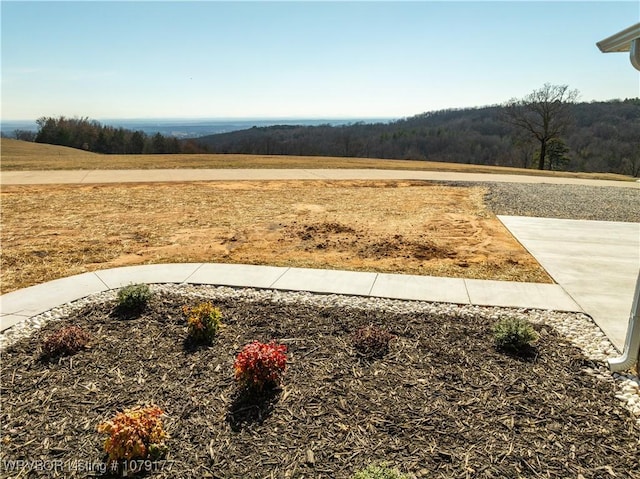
[578, 328]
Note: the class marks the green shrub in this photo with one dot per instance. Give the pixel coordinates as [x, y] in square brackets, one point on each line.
[371, 341]
[133, 298]
[203, 322]
[65, 342]
[379, 472]
[514, 334]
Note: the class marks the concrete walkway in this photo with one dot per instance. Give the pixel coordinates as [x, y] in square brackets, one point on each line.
[176, 175]
[27, 302]
[595, 262]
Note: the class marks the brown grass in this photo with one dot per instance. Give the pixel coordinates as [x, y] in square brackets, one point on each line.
[400, 227]
[21, 155]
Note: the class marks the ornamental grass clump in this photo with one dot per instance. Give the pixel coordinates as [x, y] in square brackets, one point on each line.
[132, 299]
[514, 335]
[65, 342]
[379, 472]
[371, 341]
[135, 434]
[203, 322]
[260, 365]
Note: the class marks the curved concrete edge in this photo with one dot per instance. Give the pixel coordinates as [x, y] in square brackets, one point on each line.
[28, 302]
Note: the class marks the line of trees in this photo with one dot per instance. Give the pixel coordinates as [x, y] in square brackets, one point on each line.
[546, 129]
[90, 135]
[596, 136]
[591, 137]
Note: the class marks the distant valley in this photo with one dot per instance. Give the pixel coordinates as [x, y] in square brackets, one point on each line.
[600, 137]
[194, 128]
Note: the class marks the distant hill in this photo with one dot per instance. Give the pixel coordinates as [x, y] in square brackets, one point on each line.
[605, 137]
[185, 127]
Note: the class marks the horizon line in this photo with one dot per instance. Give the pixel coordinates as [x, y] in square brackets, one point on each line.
[216, 118]
[287, 118]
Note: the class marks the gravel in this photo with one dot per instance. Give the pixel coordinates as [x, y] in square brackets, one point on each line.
[578, 202]
[578, 328]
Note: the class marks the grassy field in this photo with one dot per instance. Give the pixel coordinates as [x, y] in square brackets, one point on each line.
[20, 155]
[421, 228]
[53, 231]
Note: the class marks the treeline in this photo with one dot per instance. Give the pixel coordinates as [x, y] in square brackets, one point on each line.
[90, 135]
[604, 137]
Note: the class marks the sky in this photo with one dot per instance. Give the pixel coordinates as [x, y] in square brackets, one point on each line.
[299, 59]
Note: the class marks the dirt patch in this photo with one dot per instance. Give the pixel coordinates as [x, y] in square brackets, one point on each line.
[344, 239]
[442, 403]
[409, 227]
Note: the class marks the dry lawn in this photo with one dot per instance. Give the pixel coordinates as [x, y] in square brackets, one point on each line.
[53, 231]
[21, 155]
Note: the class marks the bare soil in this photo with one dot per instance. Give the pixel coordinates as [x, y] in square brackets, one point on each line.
[442, 403]
[409, 227]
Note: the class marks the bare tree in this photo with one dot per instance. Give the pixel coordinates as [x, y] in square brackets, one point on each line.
[526, 146]
[543, 113]
[630, 163]
[25, 135]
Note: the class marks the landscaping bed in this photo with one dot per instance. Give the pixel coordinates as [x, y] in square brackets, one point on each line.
[443, 402]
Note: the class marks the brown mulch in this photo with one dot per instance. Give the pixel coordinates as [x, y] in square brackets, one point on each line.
[443, 403]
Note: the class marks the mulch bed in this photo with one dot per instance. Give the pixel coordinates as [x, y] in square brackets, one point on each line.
[443, 403]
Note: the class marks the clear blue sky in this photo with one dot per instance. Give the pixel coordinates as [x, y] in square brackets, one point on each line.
[302, 59]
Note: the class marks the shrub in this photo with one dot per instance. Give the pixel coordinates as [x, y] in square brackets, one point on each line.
[203, 321]
[371, 341]
[65, 342]
[135, 434]
[514, 334]
[379, 472]
[133, 298]
[259, 364]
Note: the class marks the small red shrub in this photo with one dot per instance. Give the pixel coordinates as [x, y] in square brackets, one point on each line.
[260, 364]
[65, 342]
[371, 341]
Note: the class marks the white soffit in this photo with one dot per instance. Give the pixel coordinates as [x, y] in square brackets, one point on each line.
[628, 40]
[621, 41]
